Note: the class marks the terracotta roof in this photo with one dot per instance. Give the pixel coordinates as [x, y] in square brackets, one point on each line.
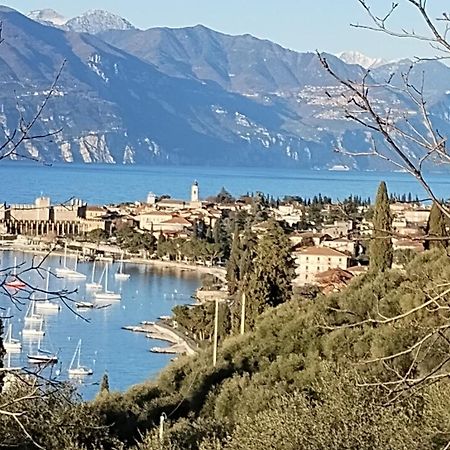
[357, 269]
[321, 251]
[155, 213]
[178, 220]
[334, 275]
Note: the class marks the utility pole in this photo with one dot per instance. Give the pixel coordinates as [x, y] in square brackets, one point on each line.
[216, 326]
[162, 418]
[243, 313]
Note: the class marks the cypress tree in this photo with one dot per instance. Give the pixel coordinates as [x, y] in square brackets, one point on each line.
[381, 251]
[269, 282]
[233, 269]
[436, 228]
[104, 386]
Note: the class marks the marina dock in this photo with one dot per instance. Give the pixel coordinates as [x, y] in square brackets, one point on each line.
[162, 332]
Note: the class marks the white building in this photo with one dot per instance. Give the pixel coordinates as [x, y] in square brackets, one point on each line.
[313, 260]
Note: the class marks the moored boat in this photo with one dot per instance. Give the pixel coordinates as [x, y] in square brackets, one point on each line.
[10, 344]
[120, 275]
[78, 370]
[93, 285]
[106, 295]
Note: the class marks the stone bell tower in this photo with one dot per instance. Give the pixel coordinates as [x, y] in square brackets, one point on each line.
[195, 201]
[194, 191]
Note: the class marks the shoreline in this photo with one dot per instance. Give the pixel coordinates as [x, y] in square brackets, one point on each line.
[158, 330]
[219, 272]
[162, 332]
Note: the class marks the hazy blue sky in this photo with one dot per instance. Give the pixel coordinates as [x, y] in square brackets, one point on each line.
[297, 24]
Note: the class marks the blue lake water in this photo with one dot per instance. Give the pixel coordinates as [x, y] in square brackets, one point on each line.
[100, 184]
[148, 294]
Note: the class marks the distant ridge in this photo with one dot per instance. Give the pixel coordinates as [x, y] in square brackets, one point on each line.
[354, 57]
[190, 95]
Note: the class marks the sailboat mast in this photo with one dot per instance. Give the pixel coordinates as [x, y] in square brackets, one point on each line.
[106, 278]
[65, 255]
[79, 352]
[73, 358]
[9, 336]
[93, 272]
[47, 284]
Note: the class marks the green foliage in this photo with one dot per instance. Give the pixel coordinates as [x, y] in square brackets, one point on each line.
[233, 267]
[198, 320]
[192, 250]
[97, 235]
[104, 385]
[436, 229]
[381, 250]
[135, 241]
[404, 256]
[223, 197]
[292, 382]
[283, 384]
[52, 418]
[221, 237]
[269, 273]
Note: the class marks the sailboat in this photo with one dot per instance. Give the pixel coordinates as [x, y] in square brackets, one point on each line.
[84, 305]
[42, 357]
[31, 317]
[105, 294]
[47, 306]
[31, 333]
[74, 274]
[65, 272]
[93, 285]
[11, 345]
[78, 370]
[14, 282]
[120, 275]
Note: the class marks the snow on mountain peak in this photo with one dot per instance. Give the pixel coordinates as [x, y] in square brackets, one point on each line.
[47, 16]
[353, 57]
[95, 21]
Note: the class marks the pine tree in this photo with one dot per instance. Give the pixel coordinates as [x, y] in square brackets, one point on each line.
[233, 266]
[269, 282]
[160, 245]
[381, 250]
[104, 386]
[436, 228]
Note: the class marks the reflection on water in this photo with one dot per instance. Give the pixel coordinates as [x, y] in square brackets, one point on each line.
[149, 293]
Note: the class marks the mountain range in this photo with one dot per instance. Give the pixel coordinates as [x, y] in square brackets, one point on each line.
[185, 96]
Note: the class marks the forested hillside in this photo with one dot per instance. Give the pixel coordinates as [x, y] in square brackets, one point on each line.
[312, 374]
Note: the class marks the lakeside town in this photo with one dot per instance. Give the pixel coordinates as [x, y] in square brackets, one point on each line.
[328, 239]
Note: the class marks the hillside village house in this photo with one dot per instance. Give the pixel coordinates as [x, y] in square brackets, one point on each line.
[344, 245]
[338, 229]
[311, 261]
